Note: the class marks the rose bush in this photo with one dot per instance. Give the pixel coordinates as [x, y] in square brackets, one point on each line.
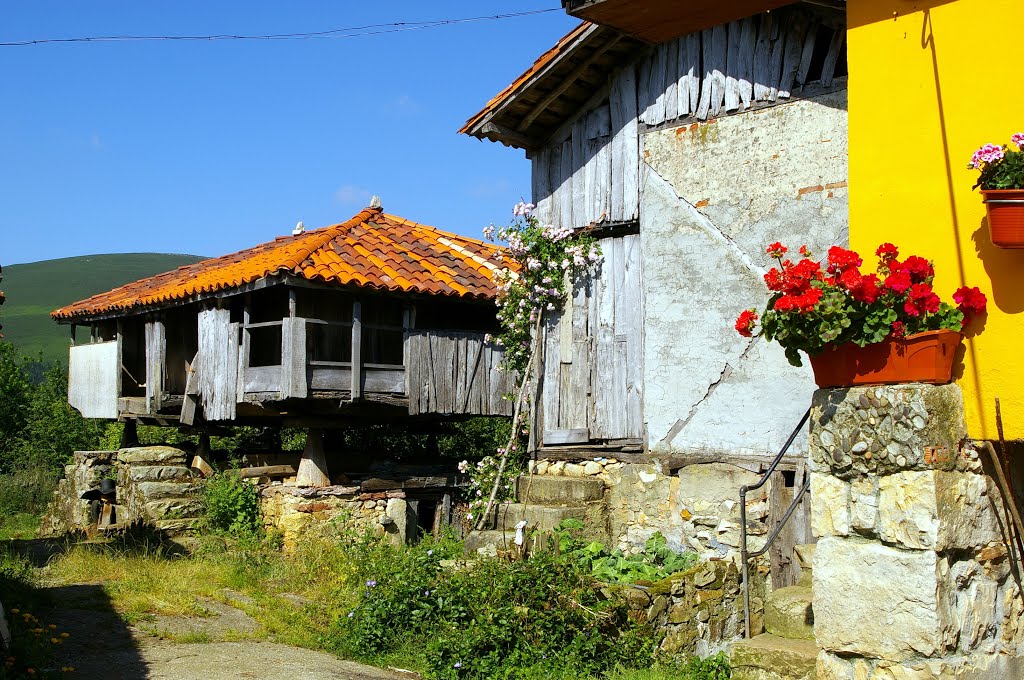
[816, 304]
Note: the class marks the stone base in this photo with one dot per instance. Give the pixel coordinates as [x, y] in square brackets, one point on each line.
[973, 667]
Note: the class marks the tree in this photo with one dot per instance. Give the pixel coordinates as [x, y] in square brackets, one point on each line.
[15, 392]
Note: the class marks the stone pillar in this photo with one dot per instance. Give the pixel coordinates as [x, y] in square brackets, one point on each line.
[912, 576]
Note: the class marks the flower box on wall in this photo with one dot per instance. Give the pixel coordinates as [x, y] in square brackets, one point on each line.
[1001, 180]
[924, 357]
[1005, 216]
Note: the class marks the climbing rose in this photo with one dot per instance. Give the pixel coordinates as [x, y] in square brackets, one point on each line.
[776, 250]
[970, 301]
[745, 323]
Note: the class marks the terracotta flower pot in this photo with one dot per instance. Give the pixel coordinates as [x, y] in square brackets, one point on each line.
[925, 357]
[1005, 216]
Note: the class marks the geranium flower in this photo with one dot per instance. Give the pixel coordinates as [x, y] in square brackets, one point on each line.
[745, 323]
[1018, 139]
[805, 251]
[887, 252]
[919, 269]
[776, 250]
[867, 290]
[898, 282]
[989, 153]
[921, 299]
[840, 259]
[970, 301]
[898, 329]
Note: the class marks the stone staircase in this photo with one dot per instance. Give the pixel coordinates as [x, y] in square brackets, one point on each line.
[544, 502]
[786, 650]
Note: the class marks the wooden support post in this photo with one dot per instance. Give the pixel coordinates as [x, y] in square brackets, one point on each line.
[357, 341]
[73, 329]
[291, 303]
[130, 434]
[92, 333]
[313, 464]
[201, 463]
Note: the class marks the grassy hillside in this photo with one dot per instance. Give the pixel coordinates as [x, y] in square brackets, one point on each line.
[36, 289]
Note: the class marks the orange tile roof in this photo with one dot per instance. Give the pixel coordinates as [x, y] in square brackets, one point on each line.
[373, 250]
[543, 60]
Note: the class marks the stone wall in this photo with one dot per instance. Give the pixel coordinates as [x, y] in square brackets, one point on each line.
[153, 486]
[912, 577]
[327, 512]
[713, 195]
[699, 610]
[696, 508]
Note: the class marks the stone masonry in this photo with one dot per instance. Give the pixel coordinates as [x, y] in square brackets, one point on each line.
[912, 577]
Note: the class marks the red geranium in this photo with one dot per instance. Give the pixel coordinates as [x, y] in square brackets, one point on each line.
[745, 322]
[810, 309]
[970, 301]
[921, 299]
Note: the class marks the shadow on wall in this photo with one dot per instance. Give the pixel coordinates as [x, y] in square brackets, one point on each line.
[1003, 268]
[862, 12]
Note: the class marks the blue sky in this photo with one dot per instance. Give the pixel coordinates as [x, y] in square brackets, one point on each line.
[209, 147]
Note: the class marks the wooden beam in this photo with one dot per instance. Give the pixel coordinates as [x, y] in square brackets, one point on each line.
[567, 82]
[267, 471]
[511, 136]
[357, 343]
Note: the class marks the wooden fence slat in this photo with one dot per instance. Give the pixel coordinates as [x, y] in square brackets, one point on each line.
[734, 33]
[565, 189]
[745, 72]
[794, 41]
[670, 77]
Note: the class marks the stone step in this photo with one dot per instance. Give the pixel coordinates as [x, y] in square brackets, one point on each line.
[488, 542]
[769, 657]
[805, 557]
[556, 491]
[788, 613]
[538, 517]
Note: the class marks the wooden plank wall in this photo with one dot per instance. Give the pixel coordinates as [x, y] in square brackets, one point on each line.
[591, 169]
[733, 67]
[294, 378]
[218, 364]
[593, 354]
[455, 373]
[156, 364]
[594, 173]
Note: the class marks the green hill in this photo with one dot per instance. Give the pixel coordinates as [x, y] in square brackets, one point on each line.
[36, 289]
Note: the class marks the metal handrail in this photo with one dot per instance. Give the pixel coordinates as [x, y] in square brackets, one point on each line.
[745, 556]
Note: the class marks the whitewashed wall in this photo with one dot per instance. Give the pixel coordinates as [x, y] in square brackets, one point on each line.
[716, 157]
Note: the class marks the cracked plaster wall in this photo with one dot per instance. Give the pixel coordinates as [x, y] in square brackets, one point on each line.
[712, 196]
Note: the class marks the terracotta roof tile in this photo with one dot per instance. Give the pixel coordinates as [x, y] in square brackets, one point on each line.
[373, 249]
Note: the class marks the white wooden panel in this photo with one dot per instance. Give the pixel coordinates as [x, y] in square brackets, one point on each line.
[732, 65]
[552, 372]
[580, 213]
[294, 382]
[670, 79]
[92, 379]
[629, 325]
[625, 149]
[218, 364]
[541, 189]
[565, 189]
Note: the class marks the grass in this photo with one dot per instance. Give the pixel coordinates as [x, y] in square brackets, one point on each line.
[20, 525]
[35, 289]
[145, 579]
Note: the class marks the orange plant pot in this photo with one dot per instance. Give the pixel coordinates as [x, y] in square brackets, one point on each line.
[1005, 216]
[925, 357]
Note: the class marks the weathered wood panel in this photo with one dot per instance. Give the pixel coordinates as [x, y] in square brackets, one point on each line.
[218, 364]
[93, 372]
[730, 67]
[596, 388]
[625, 147]
[156, 362]
[294, 378]
[455, 373]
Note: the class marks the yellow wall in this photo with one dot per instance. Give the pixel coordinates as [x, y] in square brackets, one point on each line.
[930, 82]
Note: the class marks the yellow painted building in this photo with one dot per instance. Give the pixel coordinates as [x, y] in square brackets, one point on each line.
[930, 82]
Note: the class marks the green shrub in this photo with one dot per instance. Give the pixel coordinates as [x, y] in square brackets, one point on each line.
[232, 505]
[655, 562]
[26, 490]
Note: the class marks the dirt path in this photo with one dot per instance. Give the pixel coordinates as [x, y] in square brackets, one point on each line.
[101, 645]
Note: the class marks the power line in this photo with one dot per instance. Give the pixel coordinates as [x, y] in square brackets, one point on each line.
[334, 33]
